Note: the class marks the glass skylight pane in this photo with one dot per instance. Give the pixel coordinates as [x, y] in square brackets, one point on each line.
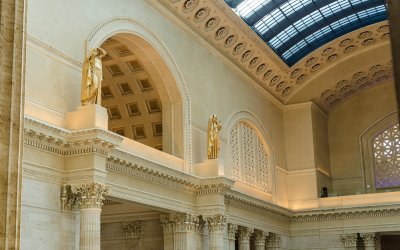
[294, 28]
[247, 7]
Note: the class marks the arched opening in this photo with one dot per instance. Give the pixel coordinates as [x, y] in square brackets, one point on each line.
[380, 146]
[140, 94]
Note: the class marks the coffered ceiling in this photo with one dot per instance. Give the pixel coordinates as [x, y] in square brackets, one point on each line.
[352, 29]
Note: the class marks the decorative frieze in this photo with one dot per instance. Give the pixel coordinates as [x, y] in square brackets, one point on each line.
[132, 229]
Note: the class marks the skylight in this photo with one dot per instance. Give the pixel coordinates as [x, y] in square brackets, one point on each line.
[294, 28]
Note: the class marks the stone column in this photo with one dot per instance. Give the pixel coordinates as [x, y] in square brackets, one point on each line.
[12, 47]
[350, 241]
[232, 229]
[244, 237]
[260, 238]
[216, 229]
[90, 199]
[369, 240]
[179, 231]
[274, 241]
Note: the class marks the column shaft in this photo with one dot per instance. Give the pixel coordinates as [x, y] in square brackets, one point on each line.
[90, 229]
[12, 47]
[216, 240]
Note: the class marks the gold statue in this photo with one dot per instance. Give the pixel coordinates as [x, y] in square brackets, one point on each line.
[92, 75]
[214, 127]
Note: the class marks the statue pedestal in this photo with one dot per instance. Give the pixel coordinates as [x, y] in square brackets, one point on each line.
[209, 168]
[89, 116]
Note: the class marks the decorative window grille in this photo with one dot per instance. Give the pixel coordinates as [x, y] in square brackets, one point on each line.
[250, 162]
[386, 157]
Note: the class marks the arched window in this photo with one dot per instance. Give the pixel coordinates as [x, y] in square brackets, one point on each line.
[380, 146]
[251, 161]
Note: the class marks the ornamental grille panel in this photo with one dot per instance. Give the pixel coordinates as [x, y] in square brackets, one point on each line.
[249, 157]
[386, 153]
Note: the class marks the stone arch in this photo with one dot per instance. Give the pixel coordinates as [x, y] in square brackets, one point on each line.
[172, 87]
[252, 122]
[367, 148]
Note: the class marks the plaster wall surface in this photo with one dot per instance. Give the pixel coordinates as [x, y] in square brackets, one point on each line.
[345, 126]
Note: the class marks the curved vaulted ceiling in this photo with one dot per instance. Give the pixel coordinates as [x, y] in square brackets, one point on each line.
[294, 28]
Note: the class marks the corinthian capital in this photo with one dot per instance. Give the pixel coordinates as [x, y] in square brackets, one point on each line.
[349, 240]
[182, 223]
[369, 239]
[260, 237]
[232, 229]
[216, 222]
[245, 233]
[91, 195]
[274, 240]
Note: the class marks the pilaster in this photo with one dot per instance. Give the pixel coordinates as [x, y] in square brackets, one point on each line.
[244, 237]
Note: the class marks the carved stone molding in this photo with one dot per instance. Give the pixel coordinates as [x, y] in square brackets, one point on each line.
[179, 223]
[368, 239]
[232, 230]
[260, 237]
[90, 195]
[132, 229]
[274, 240]
[42, 136]
[216, 223]
[349, 240]
[245, 233]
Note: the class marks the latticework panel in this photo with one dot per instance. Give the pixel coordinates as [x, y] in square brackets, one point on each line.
[249, 158]
[386, 152]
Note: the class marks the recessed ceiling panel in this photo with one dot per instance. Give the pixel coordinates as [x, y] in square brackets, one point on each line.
[294, 28]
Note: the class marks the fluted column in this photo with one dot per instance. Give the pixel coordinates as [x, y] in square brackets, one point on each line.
[232, 229]
[350, 241]
[90, 199]
[244, 237]
[274, 241]
[179, 231]
[12, 46]
[216, 229]
[260, 238]
[369, 240]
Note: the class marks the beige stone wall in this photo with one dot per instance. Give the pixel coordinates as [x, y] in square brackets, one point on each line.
[345, 125]
[214, 84]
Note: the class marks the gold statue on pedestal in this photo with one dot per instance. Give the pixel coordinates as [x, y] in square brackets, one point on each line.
[214, 127]
[92, 75]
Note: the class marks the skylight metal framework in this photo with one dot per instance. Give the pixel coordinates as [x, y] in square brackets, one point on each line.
[294, 28]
